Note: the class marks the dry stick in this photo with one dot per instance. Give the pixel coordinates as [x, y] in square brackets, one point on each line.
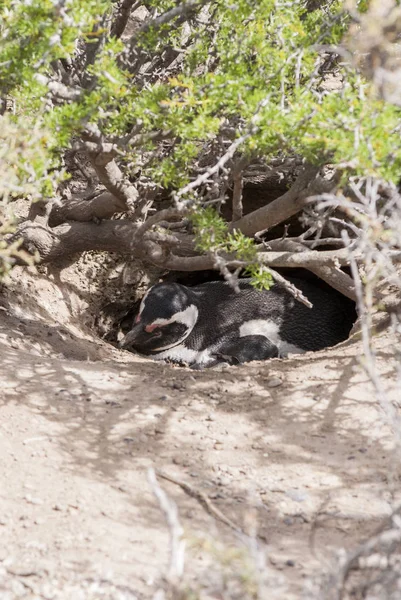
[214, 168]
[327, 272]
[177, 543]
[290, 287]
[203, 501]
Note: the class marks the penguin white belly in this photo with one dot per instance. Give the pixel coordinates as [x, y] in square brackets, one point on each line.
[182, 354]
[269, 330]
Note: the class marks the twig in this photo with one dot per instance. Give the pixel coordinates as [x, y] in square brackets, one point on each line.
[290, 287]
[202, 499]
[214, 168]
[177, 543]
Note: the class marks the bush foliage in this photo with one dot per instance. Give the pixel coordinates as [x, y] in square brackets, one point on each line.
[180, 86]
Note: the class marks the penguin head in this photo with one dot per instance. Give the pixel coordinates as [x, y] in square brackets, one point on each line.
[166, 317]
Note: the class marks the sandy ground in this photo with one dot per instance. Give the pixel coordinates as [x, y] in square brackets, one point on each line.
[296, 453]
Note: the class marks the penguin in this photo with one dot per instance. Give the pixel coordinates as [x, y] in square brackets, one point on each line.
[207, 324]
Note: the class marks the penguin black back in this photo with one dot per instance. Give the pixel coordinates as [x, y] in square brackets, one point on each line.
[200, 324]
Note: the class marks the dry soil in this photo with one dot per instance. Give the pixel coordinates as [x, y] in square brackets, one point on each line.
[296, 453]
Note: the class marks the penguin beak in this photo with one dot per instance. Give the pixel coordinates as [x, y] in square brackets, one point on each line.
[131, 336]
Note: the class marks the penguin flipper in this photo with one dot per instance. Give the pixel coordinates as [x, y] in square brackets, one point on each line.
[247, 348]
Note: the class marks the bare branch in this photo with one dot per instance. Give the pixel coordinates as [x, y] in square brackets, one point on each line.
[213, 169]
[287, 205]
[102, 206]
[203, 501]
[323, 264]
[72, 238]
[122, 236]
[162, 215]
[290, 287]
[177, 543]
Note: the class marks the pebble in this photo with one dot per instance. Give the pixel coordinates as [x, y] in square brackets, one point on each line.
[274, 382]
[179, 385]
[297, 495]
[32, 499]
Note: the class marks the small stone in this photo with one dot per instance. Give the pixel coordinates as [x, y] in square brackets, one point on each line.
[290, 563]
[32, 499]
[178, 385]
[57, 507]
[297, 495]
[274, 382]
[164, 398]
[210, 417]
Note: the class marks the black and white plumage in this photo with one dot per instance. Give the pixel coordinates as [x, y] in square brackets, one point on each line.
[211, 323]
